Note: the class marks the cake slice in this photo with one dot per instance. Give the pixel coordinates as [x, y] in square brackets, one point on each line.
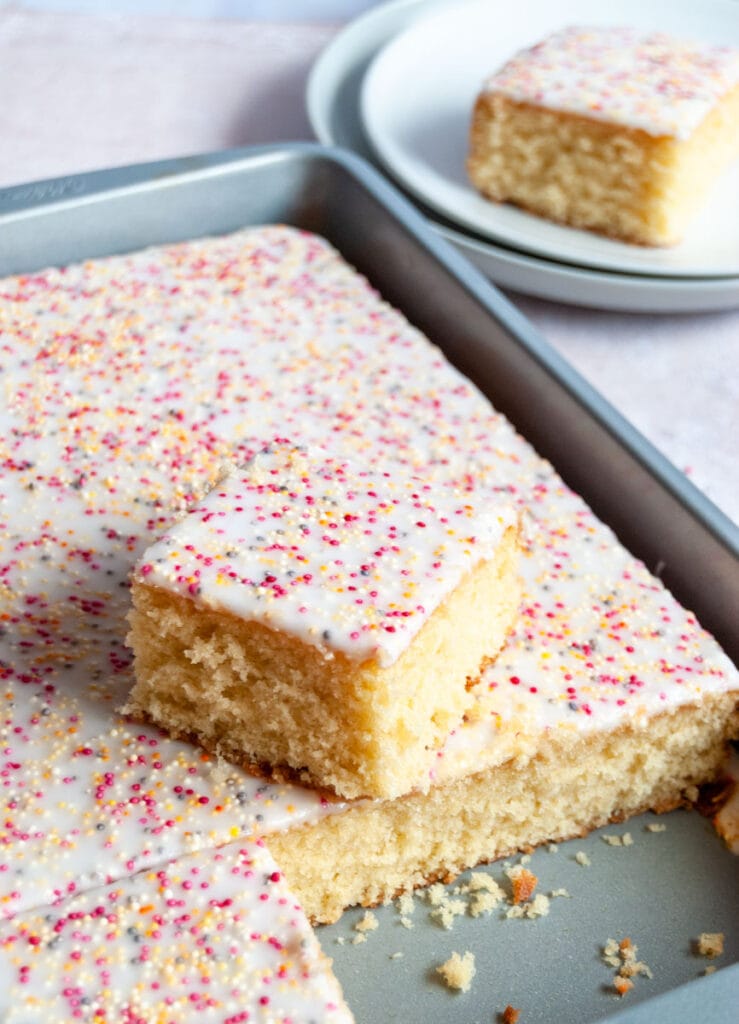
[608, 129]
[323, 622]
[530, 786]
[215, 935]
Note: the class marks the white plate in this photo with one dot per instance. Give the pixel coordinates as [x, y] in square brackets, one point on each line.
[333, 110]
[418, 95]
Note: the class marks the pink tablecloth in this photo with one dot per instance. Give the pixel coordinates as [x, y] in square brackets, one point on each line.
[81, 92]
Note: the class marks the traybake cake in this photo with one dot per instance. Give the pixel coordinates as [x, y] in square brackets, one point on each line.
[332, 620]
[129, 382]
[609, 129]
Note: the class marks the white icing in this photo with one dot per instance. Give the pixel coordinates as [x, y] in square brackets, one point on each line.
[664, 86]
[345, 559]
[213, 936]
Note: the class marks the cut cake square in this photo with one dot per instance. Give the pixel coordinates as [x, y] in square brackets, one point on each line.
[322, 621]
[608, 129]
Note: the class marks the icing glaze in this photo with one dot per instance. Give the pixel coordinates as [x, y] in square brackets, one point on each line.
[652, 81]
[344, 558]
[127, 383]
[200, 938]
[82, 810]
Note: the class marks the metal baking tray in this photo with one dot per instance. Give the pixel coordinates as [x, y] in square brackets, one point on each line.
[664, 888]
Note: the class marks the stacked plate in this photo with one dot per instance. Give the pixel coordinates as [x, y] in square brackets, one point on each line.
[398, 85]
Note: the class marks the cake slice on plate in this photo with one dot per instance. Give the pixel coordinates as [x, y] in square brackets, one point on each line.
[608, 129]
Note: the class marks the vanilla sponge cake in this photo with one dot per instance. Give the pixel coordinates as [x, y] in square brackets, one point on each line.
[129, 381]
[322, 618]
[608, 129]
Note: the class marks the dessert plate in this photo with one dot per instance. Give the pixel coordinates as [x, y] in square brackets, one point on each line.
[332, 101]
[599, 289]
[417, 98]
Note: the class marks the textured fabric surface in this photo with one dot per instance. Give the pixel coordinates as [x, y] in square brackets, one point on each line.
[90, 92]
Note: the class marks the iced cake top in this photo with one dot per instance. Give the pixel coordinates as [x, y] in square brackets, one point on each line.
[345, 558]
[213, 936]
[652, 81]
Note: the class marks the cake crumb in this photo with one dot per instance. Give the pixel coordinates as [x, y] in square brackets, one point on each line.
[611, 953]
[436, 894]
[447, 911]
[480, 881]
[483, 893]
[622, 985]
[359, 938]
[552, 848]
[692, 793]
[656, 826]
[710, 944]
[406, 904]
[368, 923]
[632, 968]
[510, 1015]
[538, 907]
[622, 956]
[563, 893]
[484, 902]
[458, 971]
[340, 940]
[524, 883]
[396, 956]
[582, 858]
[526, 859]
[711, 969]
[614, 840]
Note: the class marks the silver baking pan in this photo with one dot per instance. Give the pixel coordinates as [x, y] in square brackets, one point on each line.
[665, 887]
